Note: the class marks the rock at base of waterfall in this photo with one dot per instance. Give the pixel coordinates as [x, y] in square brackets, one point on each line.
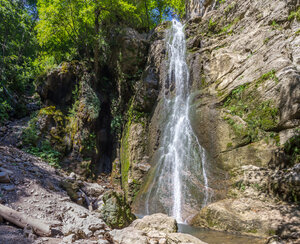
[156, 228]
[129, 235]
[251, 217]
[159, 222]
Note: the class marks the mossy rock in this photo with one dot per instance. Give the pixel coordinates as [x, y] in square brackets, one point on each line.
[115, 211]
[71, 188]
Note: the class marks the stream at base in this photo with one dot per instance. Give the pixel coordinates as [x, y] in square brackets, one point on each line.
[218, 237]
[215, 237]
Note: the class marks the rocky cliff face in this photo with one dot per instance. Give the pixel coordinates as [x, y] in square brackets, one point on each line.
[83, 114]
[138, 138]
[244, 61]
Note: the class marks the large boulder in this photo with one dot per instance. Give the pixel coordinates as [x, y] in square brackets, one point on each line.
[239, 215]
[129, 235]
[159, 222]
[251, 217]
[56, 86]
[115, 210]
[156, 228]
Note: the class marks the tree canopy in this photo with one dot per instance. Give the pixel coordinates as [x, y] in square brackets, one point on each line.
[72, 28]
[36, 35]
[18, 50]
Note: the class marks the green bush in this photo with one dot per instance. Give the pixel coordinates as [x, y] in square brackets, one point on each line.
[46, 152]
[292, 148]
[35, 144]
[295, 15]
[30, 135]
[5, 108]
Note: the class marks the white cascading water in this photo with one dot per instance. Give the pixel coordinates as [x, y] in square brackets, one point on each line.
[180, 182]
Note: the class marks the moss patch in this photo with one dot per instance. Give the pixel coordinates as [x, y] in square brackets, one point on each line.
[116, 212]
[134, 116]
[43, 137]
[259, 116]
[292, 148]
[294, 15]
[124, 157]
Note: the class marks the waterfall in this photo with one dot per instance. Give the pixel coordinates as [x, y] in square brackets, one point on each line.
[180, 181]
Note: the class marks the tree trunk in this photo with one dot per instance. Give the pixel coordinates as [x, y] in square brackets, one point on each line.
[40, 228]
[147, 14]
[96, 46]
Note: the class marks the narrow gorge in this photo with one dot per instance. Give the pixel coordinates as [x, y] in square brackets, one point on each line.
[151, 122]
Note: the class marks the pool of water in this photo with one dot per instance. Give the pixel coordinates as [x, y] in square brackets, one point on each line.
[218, 237]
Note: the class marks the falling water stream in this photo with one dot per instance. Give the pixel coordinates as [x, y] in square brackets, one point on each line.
[180, 181]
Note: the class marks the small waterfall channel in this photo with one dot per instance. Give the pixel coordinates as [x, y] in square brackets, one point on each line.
[179, 185]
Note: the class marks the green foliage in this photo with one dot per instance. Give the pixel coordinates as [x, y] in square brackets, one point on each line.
[230, 7]
[241, 186]
[292, 148]
[294, 15]
[275, 25]
[89, 143]
[79, 29]
[30, 135]
[271, 75]
[259, 116]
[212, 25]
[160, 9]
[5, 106]
[17, 52]
[86, 103]
[35, 143]
[252, 231]
[89, 102]
[214, 28]
[266, 41]
[117, 118]
[228, 27]
[229, 145]
[116, 124]
[257, 186]
[46, 152]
